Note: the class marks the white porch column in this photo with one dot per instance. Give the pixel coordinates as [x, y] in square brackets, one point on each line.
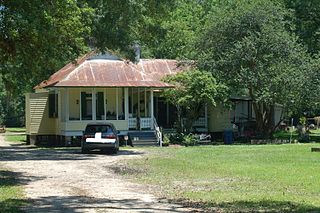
[151, 108]
[126, 103]
[67, 103]
[94, 104]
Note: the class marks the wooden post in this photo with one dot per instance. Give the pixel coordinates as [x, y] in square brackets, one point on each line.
[151, 107]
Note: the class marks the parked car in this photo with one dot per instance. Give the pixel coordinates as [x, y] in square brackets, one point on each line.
[103, 136]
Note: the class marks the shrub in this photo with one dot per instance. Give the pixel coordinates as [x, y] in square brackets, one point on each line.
[190, 140]
[165, 141]
[176, 138]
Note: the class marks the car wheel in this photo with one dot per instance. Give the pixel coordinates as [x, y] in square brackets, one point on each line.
[84, 150]
[114, 150]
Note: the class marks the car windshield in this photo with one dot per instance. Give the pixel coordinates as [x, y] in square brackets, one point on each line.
[99, 128]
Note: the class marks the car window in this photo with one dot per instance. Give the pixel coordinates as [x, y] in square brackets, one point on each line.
[99, 128]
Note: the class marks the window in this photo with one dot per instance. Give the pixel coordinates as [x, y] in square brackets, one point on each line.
[53, 105]
[86, 106]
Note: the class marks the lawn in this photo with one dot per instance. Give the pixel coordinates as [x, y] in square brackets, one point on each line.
[16, 129]
[15, 134]
[268, 178]
[11, 194]
[314, 135]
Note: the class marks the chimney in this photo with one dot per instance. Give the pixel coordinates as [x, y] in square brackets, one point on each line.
[137, 52]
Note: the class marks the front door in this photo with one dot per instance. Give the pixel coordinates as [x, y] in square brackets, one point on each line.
[165, 113]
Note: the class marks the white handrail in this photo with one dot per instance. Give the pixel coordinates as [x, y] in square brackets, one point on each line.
[158, 131]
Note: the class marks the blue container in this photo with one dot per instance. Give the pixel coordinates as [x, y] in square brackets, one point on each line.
[228, 136]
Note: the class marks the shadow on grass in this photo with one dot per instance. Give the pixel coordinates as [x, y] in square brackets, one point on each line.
[9, 178]
[251, 206]
[12, 205]
[9, 193]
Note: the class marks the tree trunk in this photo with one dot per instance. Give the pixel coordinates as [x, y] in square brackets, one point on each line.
[192, 116]
[264, 118]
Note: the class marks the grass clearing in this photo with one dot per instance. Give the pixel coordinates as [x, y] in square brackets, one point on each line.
[269, 178]
[11, 194]
[314, 135]
[16, 138]
[16, 129]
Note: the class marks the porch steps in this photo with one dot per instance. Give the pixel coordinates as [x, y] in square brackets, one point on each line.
[143, 138]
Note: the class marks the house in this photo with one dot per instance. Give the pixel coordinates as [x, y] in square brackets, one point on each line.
[101, 88]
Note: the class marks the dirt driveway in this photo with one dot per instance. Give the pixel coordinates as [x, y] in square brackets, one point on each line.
[67, 181]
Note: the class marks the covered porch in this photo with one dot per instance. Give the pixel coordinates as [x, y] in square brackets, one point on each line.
[126, 108]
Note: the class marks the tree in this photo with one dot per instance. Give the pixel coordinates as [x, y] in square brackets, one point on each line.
[307, 21]
[250, 48]
[193, 90]
[36, 39]
[309, 99]
[180, 31]
[118, 26]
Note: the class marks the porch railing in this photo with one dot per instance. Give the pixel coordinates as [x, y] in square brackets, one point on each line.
[145, 123]
[200, 122]
[158, 131]
[132, 123]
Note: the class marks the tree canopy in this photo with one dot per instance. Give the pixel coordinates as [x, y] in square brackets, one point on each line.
[193, 90]
[250, 47]
[260, 47]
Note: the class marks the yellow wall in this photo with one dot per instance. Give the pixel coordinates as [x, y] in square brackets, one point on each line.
[27, 112]
[37, 115]
[74, 104]
[111, 100]
[218, 119]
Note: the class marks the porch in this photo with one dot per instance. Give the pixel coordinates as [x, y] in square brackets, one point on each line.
[129, 109]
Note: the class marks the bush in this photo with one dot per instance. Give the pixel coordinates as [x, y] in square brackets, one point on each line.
[165, 141]
[176, 138]
[190, 140]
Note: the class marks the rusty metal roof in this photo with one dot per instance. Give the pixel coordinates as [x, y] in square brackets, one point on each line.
[113, 73]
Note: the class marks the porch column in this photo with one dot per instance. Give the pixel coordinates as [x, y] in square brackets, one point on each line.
[67, 103]
[94, 104]
[151, 108]
[126, 103]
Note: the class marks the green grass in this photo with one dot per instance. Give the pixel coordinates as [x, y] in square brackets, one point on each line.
[314, 135]
[269, 178]
[11, 194]
[16, 138]
[16, 129]
[15, 134]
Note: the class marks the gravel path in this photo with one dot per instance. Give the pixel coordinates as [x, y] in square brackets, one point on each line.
[67, 181]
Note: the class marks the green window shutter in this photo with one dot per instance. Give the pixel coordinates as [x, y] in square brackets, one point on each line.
[83, 105]
[52, 106]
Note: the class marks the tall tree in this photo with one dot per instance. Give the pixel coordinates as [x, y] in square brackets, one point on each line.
[307, 22]
[40, 36]
[120, 24]
[37, 38]
[248, 46]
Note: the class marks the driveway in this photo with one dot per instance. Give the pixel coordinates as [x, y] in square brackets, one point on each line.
[63, 180]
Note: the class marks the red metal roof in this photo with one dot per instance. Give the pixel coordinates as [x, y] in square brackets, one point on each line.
[113, 73]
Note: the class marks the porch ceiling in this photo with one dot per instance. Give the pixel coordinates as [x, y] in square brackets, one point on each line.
[114, 73]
